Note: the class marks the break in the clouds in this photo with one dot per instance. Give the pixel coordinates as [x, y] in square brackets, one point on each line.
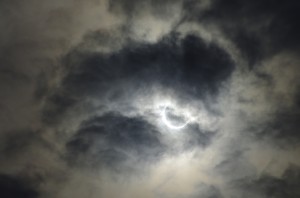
[169, 99]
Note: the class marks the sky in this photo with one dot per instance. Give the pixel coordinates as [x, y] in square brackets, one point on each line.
[149, 98]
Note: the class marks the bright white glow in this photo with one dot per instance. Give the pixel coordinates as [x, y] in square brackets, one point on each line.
[169, 124]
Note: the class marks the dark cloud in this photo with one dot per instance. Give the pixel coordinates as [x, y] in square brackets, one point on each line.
[112, 139]
[258, 28]
[13, 187]
[285, 128]
[268, 186]
[188, 65]
[57, 104]
[282, 130]
[172, 61]
[250, 45]
[16, 143]
[197, 137]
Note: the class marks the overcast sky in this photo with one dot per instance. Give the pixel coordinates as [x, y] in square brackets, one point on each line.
[149, 99]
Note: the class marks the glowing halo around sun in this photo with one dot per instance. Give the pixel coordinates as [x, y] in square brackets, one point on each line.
[169, 124]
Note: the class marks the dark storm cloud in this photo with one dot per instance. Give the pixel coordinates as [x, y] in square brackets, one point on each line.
[175, 62]
[250, 45]
[258, 28]
[112, 139]
[269, 186]
[13, 187]
[188, 65]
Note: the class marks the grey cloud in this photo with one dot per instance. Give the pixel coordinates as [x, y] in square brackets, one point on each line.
[14, 187]
[196, 137]
[133, 7]
[172, 62]
[234, 164]
[268, 186]
[283, 129]
[258, 28]
[112, 139]
[207, 191]
[163, 62]
[16, 142]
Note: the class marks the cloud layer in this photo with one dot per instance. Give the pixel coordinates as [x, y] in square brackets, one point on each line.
[84, 88]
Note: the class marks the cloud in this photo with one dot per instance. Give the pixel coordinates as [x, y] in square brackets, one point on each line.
[258, 28]
[267, 186]
[13, 187]
[207, 191]
[84, 84]
[113, 139]
[172, 62]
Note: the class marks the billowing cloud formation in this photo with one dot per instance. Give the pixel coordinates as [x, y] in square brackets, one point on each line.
[111, 138]
[85, 86]
[188, 66]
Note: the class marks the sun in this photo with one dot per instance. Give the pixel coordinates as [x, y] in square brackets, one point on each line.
[174, 119]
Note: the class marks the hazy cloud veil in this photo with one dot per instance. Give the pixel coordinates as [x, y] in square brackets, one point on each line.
[86, 88]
